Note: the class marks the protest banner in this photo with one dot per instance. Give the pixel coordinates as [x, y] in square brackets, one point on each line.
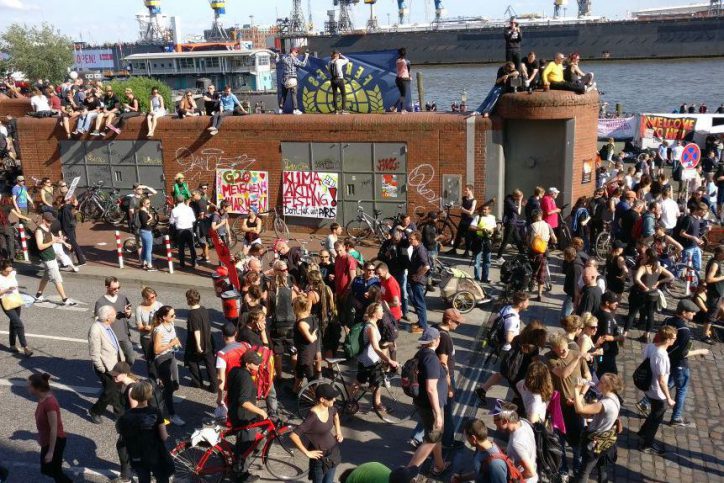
[670, 127]
[244, 190]
[617, 128]
[310, 194]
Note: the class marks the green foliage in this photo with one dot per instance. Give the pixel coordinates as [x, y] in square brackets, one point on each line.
[38, 52]
[141, 87]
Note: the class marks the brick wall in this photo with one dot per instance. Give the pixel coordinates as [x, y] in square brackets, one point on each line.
[14, 107]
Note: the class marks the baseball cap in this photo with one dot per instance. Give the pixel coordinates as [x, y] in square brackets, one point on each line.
[686, 305]
[619, 244]
[327, 391]
[609, 298]
[120, 368]
[453, 315]
[48, 216]
[20, 178]
[404, 474]
[228, 330]
[429, 335]
[553, 189]
[251, 357]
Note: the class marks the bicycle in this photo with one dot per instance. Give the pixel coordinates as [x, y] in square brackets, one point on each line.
[281, 230]
[366, 226]
[209, 456]
[565, 238]
[602, 245]
[685, 277]
[97, 204]
[393, 410]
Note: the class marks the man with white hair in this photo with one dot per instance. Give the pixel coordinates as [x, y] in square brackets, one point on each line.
[105, 351]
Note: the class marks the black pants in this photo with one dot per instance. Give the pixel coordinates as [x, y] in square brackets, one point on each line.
[125, 116]
[338, 85]
[144, 474]
[653, 421]
[185, 238]
[568, 86]
[463, 234]
[511, 234]
[244, 441]
[70, 235]
[54, 469]
[110, 395]
[218, 118]
[17, 329]
[147, 348]
[286, 91]
[7, 244]
[124, 459]
[404, 87]
[640, 303]
[194, 368]
[513, 55]
[166, 371]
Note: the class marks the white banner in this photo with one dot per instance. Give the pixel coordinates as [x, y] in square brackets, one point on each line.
[93, 59]
[617, 128]
[309, 194]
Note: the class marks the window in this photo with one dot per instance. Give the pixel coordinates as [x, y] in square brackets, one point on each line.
[155, 66]
[262, 60]
[186, 63]
[212, 62]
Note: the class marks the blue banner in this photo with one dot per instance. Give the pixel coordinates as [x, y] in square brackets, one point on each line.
[369, 79]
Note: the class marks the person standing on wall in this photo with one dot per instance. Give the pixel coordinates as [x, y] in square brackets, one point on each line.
[288, 69]
[513, 38]
[403, 80]
[336, 70]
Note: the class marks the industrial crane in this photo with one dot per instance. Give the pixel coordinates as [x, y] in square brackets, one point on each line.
[217, 28]
[150, 29]
[344, 24]
[584, 8]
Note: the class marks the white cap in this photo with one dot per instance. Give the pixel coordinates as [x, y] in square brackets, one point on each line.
[553, 189]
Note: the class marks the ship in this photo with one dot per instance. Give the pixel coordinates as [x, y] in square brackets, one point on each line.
[671, 32]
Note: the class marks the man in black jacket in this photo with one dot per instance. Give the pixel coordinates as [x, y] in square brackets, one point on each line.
[513, 222]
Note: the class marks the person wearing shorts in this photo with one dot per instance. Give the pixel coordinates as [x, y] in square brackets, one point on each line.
[44, 240]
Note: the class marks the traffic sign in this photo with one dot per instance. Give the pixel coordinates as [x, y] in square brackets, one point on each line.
[691, 156]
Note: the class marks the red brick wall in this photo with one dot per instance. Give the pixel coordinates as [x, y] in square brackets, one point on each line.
[14, 107]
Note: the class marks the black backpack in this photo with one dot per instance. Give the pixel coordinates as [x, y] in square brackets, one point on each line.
[408, 377]
[510, 365]
[643, 375]
[388, 328]
[549, 453]
[496, 334]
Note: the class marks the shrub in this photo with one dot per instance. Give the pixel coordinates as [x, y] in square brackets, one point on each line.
[141, 87]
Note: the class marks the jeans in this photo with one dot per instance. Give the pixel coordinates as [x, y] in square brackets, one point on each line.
[218, 118]
[418, 301]
[589, 463]
[85, 122]
[54, 469]
[286, 92]
[317, 473]
[491, 100]
[17, 329]
[679, 379]
[482, 264]
[653, 421]
[147, 246]
[404, 303]
[567, 308]
[693, 254]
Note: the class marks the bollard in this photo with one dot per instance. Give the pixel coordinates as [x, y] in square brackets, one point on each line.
[689, 277]
[619, 109]
[23, 242]
[421, 90]
[119, 249]
[167, 241]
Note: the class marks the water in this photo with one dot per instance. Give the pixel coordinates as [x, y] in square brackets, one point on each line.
[641, 86]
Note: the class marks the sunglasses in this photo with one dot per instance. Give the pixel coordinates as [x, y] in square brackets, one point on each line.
[324, 257]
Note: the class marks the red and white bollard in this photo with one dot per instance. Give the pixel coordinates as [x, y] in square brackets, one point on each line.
[689, 276]
[167, 241]
[119, 249]
[23, 242]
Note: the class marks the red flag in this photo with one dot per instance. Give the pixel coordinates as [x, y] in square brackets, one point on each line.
[222, 251]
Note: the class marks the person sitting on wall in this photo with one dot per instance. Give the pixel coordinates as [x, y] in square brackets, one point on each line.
[187, 106]
[574, 74]
[504, 82]
[530, 71]
[229, 105]
[211, 100]
[108, 111]
[553, 77]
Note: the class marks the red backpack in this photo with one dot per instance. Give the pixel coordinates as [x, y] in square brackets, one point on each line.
[514, 474]
[264, 378]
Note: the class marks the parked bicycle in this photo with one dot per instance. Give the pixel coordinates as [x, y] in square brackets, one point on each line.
[448, 224]
[96, 204]
[275, 217]
[366, 227]
[602, 245]
[209, 455]
[396, 406]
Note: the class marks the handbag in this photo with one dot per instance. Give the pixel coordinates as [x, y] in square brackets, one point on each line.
[600, 442]
[661, 304]
[290, 83]
[12, 301]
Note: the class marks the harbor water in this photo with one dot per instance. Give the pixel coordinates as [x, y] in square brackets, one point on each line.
[640, 86]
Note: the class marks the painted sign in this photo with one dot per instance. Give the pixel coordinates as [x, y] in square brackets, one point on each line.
[669, 127]
[617, 128]
[691, 156]
[310, 194]
[93, 59]
[390, 186]
[244, 190]
[71, 189]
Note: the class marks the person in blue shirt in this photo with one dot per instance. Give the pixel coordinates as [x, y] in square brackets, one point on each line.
[21, 200]
[486, 468]
[229, 105]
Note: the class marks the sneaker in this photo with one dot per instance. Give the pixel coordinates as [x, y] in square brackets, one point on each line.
[642, 409]
[655, 448]
[247, 478]
[69, 302]
[75, 269]
[416, 329]
[708, 340]
[151, 269]
[95, 134]
[482, 395]
[682, 423]
[81, 265]
[214, 132]
[177, 420]
[414, 443]
[95, 419]
[39, 299]
[297, 112]
[281, 111]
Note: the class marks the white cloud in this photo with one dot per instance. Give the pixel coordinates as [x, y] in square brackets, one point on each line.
[17, 5]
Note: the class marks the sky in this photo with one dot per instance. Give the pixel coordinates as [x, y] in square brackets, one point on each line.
[114, 20]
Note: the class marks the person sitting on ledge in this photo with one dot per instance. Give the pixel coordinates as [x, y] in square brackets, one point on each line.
[503, 83]
[187, 106]
[553, 77]
[229, 105]
[574, 74]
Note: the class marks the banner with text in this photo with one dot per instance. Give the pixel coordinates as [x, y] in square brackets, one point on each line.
[93, 59]
[369, 79]
[617, 128]
[670, 127]
[244, 190]
[310, 194]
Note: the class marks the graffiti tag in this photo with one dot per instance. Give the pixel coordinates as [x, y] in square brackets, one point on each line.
[420, 179]
[388, 164]
[208, 160]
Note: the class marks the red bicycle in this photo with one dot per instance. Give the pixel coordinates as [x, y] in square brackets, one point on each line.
[209, 456]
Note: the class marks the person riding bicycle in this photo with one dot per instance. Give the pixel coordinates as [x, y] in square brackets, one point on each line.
[243, 410]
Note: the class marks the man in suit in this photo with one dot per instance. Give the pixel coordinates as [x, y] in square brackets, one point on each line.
[105, 351]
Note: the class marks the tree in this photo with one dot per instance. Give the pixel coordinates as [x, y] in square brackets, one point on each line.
[141, 87]
[38, 52]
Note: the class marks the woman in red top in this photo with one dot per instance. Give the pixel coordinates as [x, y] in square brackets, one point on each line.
[50, 428]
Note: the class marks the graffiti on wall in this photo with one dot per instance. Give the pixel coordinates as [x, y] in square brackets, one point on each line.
[388, 164]
[244, 190]
[420, 179]
[310, 194]
[194, 165]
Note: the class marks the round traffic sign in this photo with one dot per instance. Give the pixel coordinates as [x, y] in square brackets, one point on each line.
[691, 156]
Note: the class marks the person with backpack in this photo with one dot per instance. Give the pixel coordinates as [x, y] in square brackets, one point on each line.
[371, 357]
[336, 70]
[521, 439]
[143, 429]
[428, 386]
[580, 219]
[658, 392]
[489, 461]
[599, 439]
[540, 234]
[387, 324]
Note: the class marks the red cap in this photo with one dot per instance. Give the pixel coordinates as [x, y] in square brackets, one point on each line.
[222, 271]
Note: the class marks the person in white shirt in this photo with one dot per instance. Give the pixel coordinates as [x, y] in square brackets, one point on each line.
[669, 209]
[658, 393]
[39, 102]
[521, 442]
[336, 70]
[540, 234]
[536, 391]
[183, 218]
[483, 225]
[335, 230]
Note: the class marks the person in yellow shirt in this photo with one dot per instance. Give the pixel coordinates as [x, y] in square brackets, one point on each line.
[553, 77]
[483, 225]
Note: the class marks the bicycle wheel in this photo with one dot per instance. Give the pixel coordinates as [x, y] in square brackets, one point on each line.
[195, 464]
[130, 247]
[114, 215]
[447, 231]
[358, 229]
[603, 245]
[682, 274]
[283, 459]
[307, 397]
[90, 210]
[464, 301]
[281, 230]
[397, 405]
